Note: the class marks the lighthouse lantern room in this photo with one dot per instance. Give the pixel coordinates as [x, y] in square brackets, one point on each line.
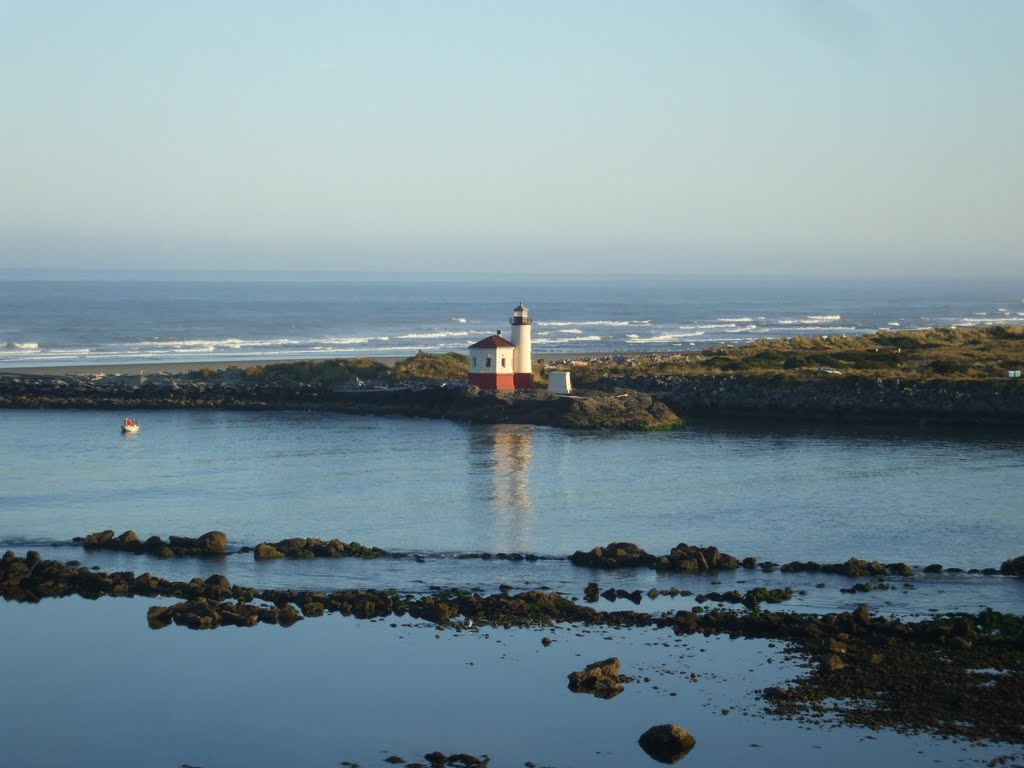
[497, 363]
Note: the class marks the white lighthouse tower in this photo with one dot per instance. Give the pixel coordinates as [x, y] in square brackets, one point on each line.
[522, 359]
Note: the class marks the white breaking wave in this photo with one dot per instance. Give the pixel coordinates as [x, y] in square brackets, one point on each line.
[741, 329]
[434, 335]
[972, 322]
[790, 329]
[708, 326]
[27, 346]
[189, 346]
[609, 323]
[18, 354]
[567, 340]
[810, 319]
[664, 338]
[739, 319]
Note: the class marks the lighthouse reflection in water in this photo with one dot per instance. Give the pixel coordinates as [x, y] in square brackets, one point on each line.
[501, 458]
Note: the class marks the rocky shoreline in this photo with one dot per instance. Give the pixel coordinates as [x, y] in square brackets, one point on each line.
[956, 675]
[618, 409]
[612, 402]
[836, 398]
[682, 558]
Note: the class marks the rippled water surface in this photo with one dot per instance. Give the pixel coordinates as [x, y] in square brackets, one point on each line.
[435, 486]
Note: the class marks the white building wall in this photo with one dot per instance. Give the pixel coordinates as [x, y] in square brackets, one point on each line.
[502, 360]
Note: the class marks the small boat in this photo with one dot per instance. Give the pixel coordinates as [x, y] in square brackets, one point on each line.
[130, 426]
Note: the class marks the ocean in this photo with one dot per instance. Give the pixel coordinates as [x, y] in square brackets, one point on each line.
[182, 317]
[333, 689]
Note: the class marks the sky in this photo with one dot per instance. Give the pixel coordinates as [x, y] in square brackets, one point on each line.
[826, 137]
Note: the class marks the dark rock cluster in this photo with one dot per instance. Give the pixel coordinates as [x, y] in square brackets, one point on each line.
[203, 613]
[752, 598]
[683, 557]
[1013, 567]
[211, 543]
[600, 679]
[852, 567]
[30, 579]
[434, 759]
[310, 548]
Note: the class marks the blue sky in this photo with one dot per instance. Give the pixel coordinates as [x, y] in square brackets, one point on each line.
[683, 137]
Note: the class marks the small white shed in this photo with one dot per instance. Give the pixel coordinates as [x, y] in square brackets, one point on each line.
[558, 383]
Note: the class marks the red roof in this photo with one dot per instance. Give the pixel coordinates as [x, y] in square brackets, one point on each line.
[492, 342]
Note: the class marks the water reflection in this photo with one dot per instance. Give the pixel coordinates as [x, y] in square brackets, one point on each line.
[500, 458]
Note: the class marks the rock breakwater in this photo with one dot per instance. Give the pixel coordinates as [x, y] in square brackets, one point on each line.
[618, 409]
[836, 398]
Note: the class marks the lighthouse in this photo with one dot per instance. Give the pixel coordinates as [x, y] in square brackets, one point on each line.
[522, 363]
[500, 363]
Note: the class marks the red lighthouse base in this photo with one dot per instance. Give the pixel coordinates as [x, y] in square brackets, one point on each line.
[523, 380]
[505, 381]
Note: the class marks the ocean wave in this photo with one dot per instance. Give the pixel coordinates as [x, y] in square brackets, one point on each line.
[791, 329]
[434, 335]
[28, 355]
[21, 346]
[708, 326]
[201, 345]
[567, 340]
[974, 322]
[741, 329]
[663, 338]
[608, 323]
[810, 319]
[740, 319]
[559, 330]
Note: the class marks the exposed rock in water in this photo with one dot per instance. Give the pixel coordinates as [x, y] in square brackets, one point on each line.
[852, 567]
[210, 543]
[683, 558]
[458, 760]
[666, 743]
[618, 554]
[309, 548]
[1013, 567]
[601, 679]
[752, 598]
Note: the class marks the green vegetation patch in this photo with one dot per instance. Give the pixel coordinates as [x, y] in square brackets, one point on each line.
[338, 371]
[424, 366]
[963, 354]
